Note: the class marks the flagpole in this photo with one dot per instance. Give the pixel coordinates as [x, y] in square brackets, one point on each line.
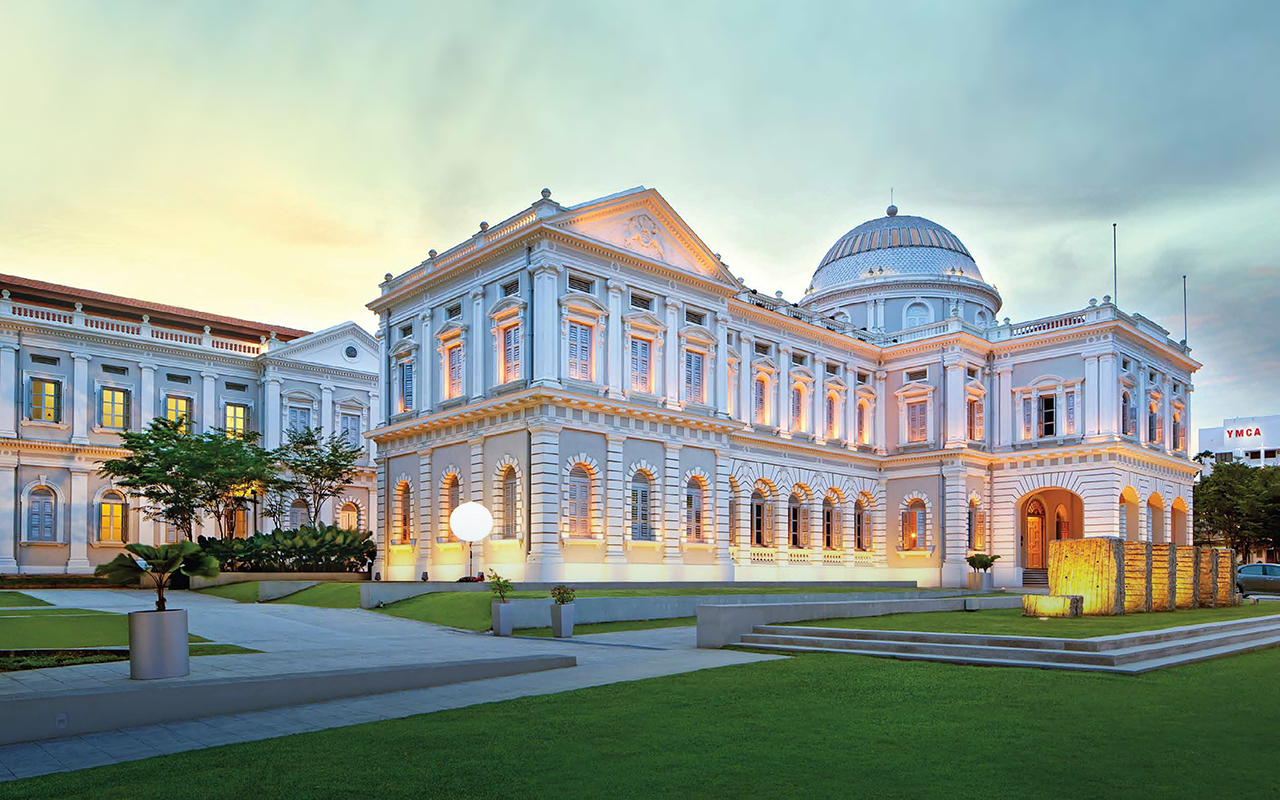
[1184, 310]
[1115, 268]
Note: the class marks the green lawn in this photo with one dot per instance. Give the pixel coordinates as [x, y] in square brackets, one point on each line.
[64, 628]
[10, 599]
[246, 592]
[812, 726]
[616, 627]
[326, 595]
[1009, 621]
[12, 663]
[470, 610]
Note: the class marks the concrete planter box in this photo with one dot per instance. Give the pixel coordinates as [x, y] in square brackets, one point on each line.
[158, 645]
[982, 580]
[562, 621]
[503, 618]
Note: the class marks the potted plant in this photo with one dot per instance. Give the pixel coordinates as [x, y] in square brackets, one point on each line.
[981, 577]
[562, 612]
[158, 639]
[498, 609]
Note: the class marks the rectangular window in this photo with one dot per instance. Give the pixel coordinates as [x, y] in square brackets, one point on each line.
[112, 369]
[299, 418]
[915, 375]
[48, 361]
[975, 419]
[913, 530]
[758, 401]
[579, 351]
[178, 409]
[511, 288]
[510, 353]
[831, 416]
[349, 427]
[1048, 416]
[175, 378]
[580, 284]
[407, 330]
[453, 358]
[695, 317]
[1071, 413]
[115, 408]
[641, 380]
[237, 420]
[641, 302]
[46, 400]
[406, 386]
[833, 369]
[40, 516]
[762, 349]
[451, 312]
[797, 359]
[236, 387]
[917, 421]
[111, 522]
[797, 407]
[693, 377]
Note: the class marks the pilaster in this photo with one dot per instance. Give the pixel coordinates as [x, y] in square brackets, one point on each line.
[78, 506]
[209, 402]
[672, 496]
[722, 387]
[616, 334]
[80, 400]
[8, 518]
[423, 513]
[326, 410]
[477, 345]
[271, 413]
[146, 394]
[956, 435]
[724, 525]
[615, 499]
[10, 396]
[784, 391]
[881, 441]
[672, 355]
[746, 379]
[546, 326]
[544, 502]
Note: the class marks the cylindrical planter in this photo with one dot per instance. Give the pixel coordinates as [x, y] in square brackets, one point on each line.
[158, 645]
[502, 618]
[562, 620]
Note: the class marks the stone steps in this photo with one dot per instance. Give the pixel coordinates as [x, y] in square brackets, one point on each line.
[1125, 653]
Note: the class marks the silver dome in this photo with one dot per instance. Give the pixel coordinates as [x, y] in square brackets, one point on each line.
[905, 246]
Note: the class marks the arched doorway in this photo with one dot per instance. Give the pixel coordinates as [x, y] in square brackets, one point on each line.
[1036, 542]
[1178, 523]
[1047, 515]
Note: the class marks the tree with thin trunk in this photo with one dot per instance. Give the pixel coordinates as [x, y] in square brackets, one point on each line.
[232, 468]
[162, 467]
[316, 468]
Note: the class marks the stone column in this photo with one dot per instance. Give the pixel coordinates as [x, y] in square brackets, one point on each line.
[672, 497]
[1004, 401]
[477, 349]
[425, 366]
[208, 401]
[783, 393]
[546, 327]
[781, 526]
[1143, 401]
[954, 519]
[78, 506]
[956, 435]
[544, 502]
[880, 525]
[480, 551]
[673, 357]
[721, 368]
[723, 525]
[746, 380]
[1109, 423]
[326, 410]
[615, 493]
[9, 523]
[851, 408]
[1166, 411]
[381, 413]
[1089, 396]
[424, 524]
[881, 441]
[146, 394]
[818, 406]
[11, 396]
[271, 420]
[81, 401]
[616, 333]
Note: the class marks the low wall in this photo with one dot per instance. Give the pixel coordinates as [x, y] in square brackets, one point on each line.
[224, 578]
[721, 624]
[73, 713]
[379, 593]
[274, 590]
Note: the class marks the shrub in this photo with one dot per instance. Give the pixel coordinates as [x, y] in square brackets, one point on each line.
[500, 586]
[325, 548]
[143, 564]
[563, 595]
[981, 561]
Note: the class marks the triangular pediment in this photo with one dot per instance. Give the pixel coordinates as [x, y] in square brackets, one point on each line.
[641, 222]
[346, 345]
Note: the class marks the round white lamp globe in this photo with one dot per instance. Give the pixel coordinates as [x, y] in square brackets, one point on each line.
[471, 522]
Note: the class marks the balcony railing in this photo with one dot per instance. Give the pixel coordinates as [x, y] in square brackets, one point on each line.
[144, 330]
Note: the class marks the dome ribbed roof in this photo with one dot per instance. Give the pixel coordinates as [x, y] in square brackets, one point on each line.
[901, 245]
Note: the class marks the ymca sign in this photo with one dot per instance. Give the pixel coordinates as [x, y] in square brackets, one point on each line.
[1236, 433]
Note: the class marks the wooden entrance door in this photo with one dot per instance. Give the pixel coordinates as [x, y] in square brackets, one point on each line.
[1035, 542]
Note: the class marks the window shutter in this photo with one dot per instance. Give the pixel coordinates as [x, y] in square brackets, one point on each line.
[920, 529]
[908, 521]
[1028, 415]
[979, 533]
[795, 406]
[977, 417]
[759, 401]
[636, 381]
[57, 402]
[1071, 412]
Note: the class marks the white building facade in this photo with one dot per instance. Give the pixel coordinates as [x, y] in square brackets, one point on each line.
[1253, 440]
[598, 378]
[78, 367]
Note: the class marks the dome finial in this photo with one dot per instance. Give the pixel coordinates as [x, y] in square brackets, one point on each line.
[892, 210]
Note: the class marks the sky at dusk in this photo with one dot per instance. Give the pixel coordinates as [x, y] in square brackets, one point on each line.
[272, 160]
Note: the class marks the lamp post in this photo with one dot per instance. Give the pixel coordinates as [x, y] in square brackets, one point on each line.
[470, 522]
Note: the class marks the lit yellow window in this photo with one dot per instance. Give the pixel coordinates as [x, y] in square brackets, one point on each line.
[115, 408]
[178, 409]
[237, 419]
[46, 400]
[111, 520]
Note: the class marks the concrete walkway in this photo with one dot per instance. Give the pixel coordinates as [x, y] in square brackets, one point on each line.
[302, 638]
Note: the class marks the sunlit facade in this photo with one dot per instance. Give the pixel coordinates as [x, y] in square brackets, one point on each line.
[629, 410]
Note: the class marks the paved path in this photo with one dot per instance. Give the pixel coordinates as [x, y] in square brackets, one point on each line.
[302, 638]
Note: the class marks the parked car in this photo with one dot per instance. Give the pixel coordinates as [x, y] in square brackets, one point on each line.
[1258, 579]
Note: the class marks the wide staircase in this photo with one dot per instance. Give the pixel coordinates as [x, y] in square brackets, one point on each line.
[1129, 653]
[1035, 578]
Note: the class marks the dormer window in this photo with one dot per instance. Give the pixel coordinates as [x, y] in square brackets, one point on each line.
[692, 317]
[577, 283]
[640, 302]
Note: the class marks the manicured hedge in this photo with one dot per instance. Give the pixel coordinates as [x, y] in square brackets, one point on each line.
[326, 548]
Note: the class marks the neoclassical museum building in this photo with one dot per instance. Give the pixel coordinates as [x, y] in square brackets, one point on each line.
[78, 368]
[629, 410]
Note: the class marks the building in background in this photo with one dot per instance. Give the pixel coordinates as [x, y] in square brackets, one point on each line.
[629, 410]
[78, 367]
[1253, 440]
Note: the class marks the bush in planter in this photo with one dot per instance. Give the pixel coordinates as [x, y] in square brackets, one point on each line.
[158, 564]
[982, 561]
[501, 587]
[562, 594]
[562, 612]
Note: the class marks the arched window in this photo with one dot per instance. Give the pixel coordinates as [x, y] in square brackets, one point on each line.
[917, 314]
[1155, 423]
[510, 485]
[830, 524]
[797, 407]
[297, 514]
[111, 518]
[833, 427]
[759, 520]
[349, 517]
[693, 508]
[981, 318]
[641, 497]
[402, 515]
[40, 514]
[914, 531]
[797, 520]
[578, 511]
[861, 536]
[1061, 523]
[450, 498]
[761, 393]
[1127, 412]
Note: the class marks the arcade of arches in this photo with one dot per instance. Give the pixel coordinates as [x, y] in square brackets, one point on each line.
[1050, 514]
